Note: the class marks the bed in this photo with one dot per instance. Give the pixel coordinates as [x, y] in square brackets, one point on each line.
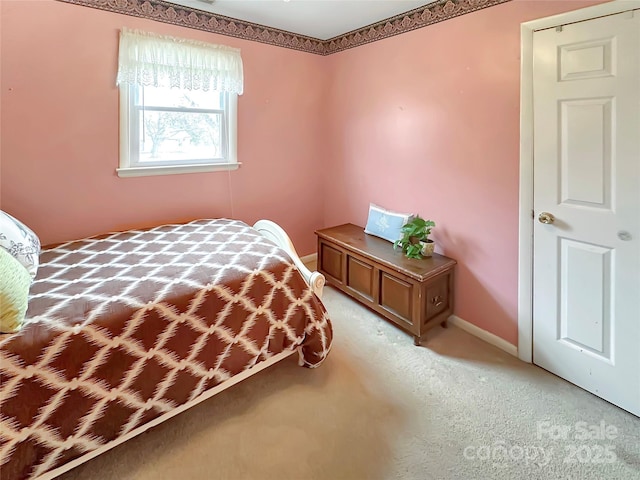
[126, 330]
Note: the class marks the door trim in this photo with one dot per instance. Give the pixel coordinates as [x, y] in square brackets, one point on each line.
[525, 248]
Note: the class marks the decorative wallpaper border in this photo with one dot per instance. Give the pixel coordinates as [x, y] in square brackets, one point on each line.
[437, 11]
[166, 12]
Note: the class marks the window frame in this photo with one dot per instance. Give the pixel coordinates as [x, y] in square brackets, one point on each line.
[129, 135]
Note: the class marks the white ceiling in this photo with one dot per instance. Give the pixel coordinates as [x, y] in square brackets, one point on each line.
[321, 19]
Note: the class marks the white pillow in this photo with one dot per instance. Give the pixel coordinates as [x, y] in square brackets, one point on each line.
[20, 241]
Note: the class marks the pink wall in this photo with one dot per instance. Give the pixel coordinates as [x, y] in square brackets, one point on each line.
[60, 132]
[428, 122]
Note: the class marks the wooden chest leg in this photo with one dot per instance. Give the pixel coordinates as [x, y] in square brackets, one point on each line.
[416, 340]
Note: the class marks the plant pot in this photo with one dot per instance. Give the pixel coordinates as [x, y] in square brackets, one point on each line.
[427, 248]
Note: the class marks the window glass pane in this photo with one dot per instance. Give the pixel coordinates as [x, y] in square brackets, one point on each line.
[175, 136]
[176, 97]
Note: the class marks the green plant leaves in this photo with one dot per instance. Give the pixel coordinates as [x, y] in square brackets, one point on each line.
[413, 251]
[413, 232]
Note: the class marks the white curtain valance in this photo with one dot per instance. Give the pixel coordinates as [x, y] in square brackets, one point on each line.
[152, 60]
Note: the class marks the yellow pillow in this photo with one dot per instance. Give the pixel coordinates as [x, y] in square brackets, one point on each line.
[15, 281]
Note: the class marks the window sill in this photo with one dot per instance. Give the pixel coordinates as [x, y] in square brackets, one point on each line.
[174, 169]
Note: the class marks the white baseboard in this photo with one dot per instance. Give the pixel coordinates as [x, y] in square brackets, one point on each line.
[309, 258]
[488, 337]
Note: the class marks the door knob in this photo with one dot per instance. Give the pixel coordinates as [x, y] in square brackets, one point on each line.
[546, 217]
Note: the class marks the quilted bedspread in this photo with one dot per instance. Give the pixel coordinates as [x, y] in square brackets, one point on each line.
[125, 327]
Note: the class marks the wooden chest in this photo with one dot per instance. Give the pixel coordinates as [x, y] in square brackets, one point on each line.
[414, 294]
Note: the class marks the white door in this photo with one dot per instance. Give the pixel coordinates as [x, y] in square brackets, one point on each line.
[586, 297]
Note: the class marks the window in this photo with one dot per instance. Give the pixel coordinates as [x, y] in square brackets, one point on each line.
[171, 130]
[178, 105]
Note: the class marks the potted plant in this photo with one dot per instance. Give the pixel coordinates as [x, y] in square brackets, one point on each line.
[415, 242]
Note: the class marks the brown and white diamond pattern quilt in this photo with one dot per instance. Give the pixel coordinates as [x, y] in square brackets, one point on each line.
[125, 327]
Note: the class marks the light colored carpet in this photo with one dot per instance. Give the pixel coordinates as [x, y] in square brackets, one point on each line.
[381, 408]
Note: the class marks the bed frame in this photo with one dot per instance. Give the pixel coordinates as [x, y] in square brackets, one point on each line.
[276, 234]
[316, 281]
